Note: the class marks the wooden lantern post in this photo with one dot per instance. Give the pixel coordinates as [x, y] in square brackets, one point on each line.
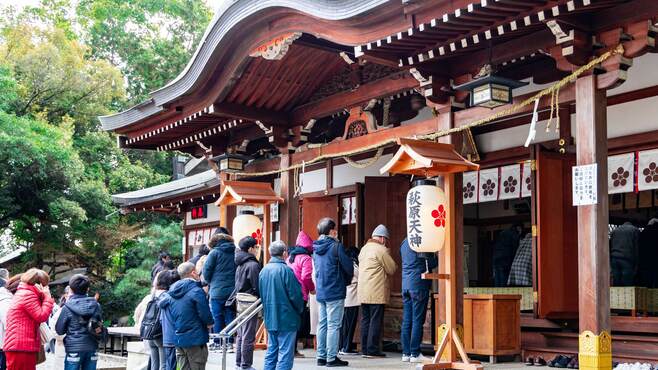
[430, 159]
[250, 193]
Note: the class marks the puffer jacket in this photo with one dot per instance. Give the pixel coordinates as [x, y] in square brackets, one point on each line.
[414, 264]
[5, 303]
[28, 310]
[301, 263]
[333, 269]
[219, 269]
[73, 320]
[375, 266]
[189, 310]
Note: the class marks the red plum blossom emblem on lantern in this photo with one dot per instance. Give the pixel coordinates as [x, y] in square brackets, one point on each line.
[258, 235]
[489, 187]
[620, 177]
[439, 215]
[651, 173]
[469, 190]
[510, 184]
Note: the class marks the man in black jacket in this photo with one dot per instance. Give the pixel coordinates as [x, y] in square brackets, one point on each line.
[163, 259]
[246, 291]
[74, 322]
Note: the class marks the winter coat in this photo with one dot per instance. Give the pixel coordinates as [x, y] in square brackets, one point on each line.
[352, 294]
[505, 247]
[5, 303]
[281, 296]
[189, 309]
[375, 266]
[333, 269]
[246, 274]
[624, 243]
[28, 310]
[168, 329]
[72, 322]
[219, 269]
[159, 266]
[413, 266]
[301, 264]
[648, 255]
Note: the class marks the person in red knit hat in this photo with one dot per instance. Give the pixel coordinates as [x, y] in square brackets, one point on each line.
[32, 305]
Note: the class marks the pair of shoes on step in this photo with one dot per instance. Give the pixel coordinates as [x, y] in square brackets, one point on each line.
[535, 361]
[564, 362]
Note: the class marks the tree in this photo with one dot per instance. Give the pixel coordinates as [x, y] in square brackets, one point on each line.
[151, 41]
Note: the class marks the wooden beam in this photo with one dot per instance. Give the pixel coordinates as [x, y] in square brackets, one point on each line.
[387, 86]
[593, 254]
[289, 209]
[237, 111]
[629, 12]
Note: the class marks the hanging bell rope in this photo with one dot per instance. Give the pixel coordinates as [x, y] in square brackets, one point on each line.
[515, 108]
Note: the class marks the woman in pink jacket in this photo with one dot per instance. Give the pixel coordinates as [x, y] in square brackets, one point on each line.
[301, 262]
[30, 307]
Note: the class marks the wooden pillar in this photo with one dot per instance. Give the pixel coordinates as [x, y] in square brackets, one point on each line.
[595, 344]
[289, 210]
[446, 121]
[223, 210]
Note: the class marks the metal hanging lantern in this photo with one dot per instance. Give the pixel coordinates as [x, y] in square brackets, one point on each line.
[231, 162]
[247, 224]
[490, 91]
[427, 214]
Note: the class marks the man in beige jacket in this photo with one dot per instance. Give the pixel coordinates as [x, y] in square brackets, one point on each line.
[375, 266]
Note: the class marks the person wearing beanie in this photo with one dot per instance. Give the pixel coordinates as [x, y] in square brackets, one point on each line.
[301, 263]
[375, 266]
[244, 295]
[219, 272]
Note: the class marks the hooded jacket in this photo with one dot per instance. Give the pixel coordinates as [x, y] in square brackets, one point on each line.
[28, 310]
[189, 310]
[5, 303]
[375, 266]
[219, 269]
[333, 269]
[301, 263]
[281, 295]
[246, 273]
[413, 266]
[72, 322]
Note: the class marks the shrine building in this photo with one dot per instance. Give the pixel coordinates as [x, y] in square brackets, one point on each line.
[556, 101]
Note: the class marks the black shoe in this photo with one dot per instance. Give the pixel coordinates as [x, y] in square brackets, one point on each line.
[378, 354]
[337, 363]
[322, 362]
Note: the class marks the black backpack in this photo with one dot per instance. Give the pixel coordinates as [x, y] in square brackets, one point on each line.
[151, 327]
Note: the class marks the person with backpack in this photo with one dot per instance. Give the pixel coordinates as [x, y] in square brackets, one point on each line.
[81, 321]
[167, 322]
[150, 329]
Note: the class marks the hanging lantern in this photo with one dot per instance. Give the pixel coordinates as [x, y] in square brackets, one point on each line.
[247, 224]
[427, 214]
[231, 162]
[490, 91]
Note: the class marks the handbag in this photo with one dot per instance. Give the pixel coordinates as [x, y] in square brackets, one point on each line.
[244, 300]
[45, 336]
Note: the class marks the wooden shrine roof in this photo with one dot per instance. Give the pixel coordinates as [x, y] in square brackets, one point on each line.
[247, 192]
[426, 158]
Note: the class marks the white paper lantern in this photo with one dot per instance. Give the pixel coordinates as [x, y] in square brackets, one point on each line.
[426, 217]
[247, 224]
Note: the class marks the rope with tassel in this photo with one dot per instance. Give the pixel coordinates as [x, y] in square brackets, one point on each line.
[553, 90]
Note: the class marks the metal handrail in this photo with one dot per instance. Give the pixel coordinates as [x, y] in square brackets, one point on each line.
[234, 325]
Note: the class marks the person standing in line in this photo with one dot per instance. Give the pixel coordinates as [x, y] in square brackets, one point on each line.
[163, 260]
[350, 318]
[505, 248]
[188, 306]
[521, 272]
[245, 294]
[203, 251]
[78, 313]
[624, 251]
[301, 263]
[168, 331]
[219, 273]
[155, 345]
[283, 304]
[415, 295]
[6, 297]
[334, 271]
[375, 266]
[31, 306]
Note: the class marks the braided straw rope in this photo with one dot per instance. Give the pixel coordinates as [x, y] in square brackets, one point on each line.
[554, 90]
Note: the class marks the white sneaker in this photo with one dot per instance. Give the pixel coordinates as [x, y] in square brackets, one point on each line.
[405, 358]
[418, 359]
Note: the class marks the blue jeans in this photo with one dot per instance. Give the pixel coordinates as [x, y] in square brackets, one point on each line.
[413, 318]
[170, 358]
[280, 350]
[80, 361]
[331, 318]
[221, 314]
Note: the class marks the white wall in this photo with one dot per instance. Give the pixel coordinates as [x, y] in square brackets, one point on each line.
[313, 181]
[344, 174]
[212, 216]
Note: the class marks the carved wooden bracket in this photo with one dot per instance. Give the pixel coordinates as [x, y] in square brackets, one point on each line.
[276, 48]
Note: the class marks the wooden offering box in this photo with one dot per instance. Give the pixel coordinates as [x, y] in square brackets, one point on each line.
[492, 324]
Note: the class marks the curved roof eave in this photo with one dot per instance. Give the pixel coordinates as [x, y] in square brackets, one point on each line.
[224, 20]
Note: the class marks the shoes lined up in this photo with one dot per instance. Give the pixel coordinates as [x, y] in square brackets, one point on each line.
[560, 361]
